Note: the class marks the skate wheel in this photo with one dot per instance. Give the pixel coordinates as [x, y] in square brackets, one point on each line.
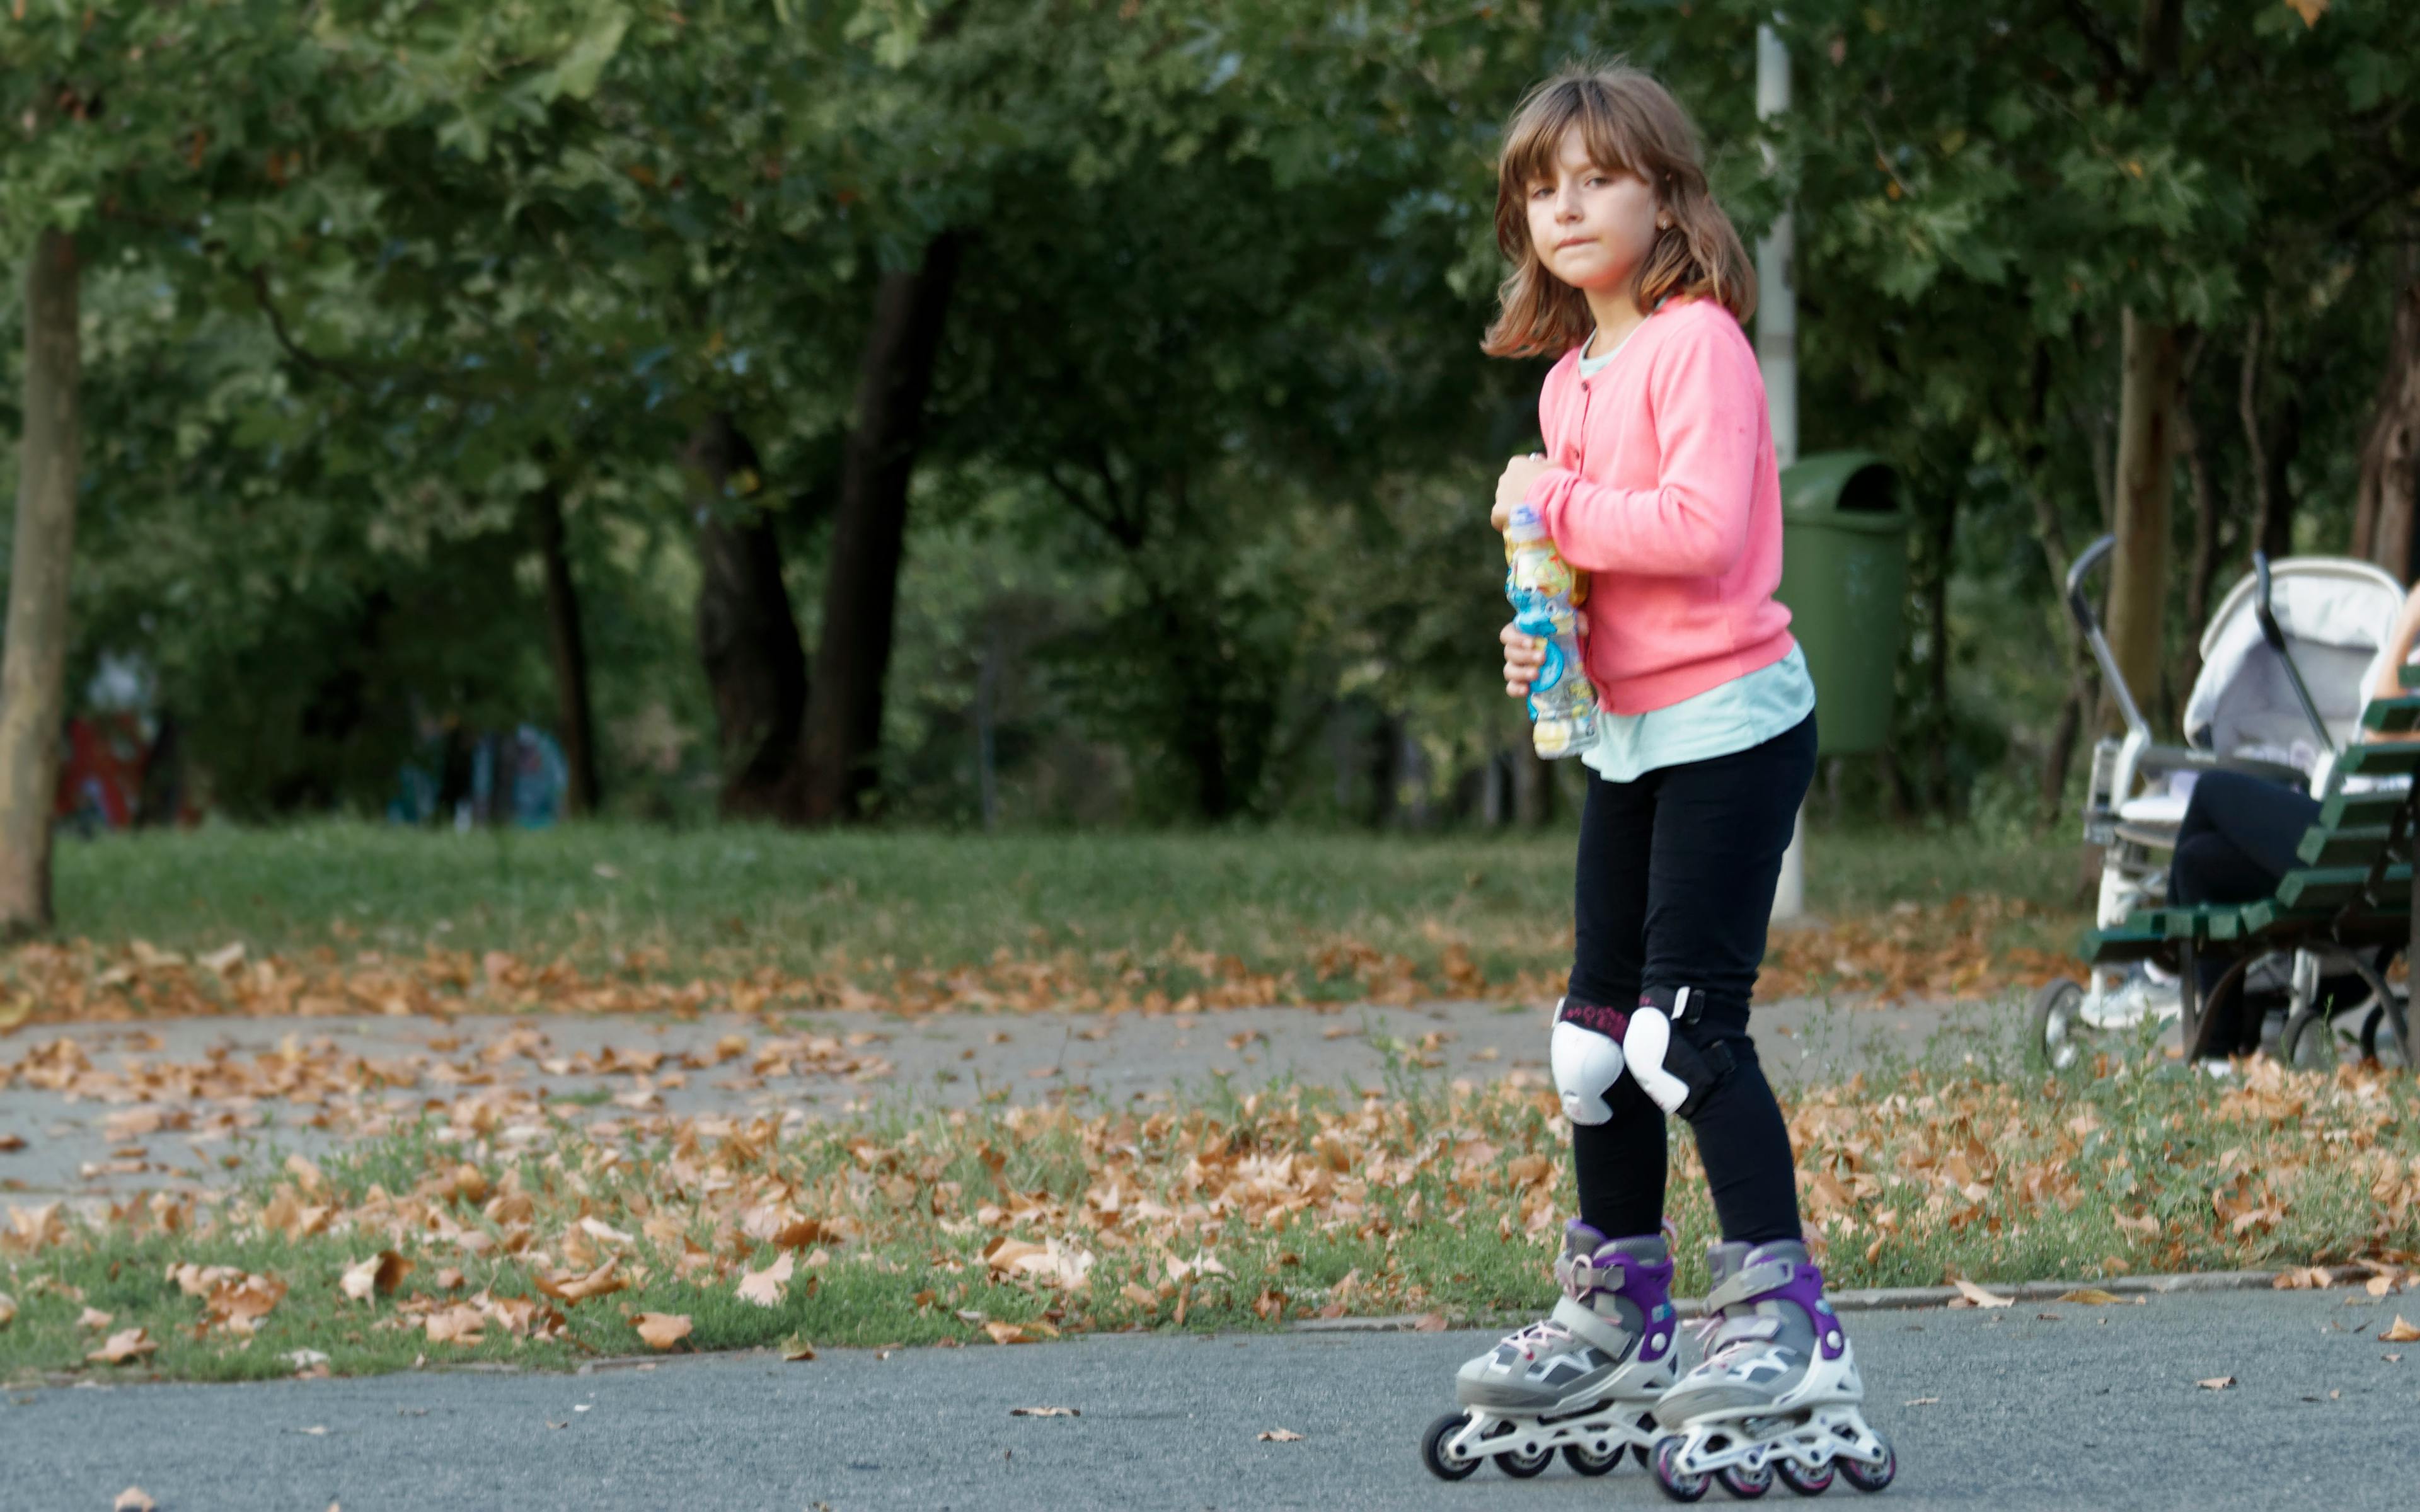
[1587, 1462]
[1804, 1481]
[1867, 1478]
[1521, 1466]
[1674, 1482]
[1432, 1452]
[1745, 1483]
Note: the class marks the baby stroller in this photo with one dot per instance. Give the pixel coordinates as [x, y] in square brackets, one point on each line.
[2282, 716]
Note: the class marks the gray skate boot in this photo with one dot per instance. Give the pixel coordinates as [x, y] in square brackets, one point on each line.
[1777, 1391]
[1585, 1378]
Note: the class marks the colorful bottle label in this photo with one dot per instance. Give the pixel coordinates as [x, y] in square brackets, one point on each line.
[1546, 593]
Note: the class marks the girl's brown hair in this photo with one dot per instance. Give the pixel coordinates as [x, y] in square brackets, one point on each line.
[1630, 125]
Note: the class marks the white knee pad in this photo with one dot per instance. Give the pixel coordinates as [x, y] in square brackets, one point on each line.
[1585, 1065]
[1648, 1037]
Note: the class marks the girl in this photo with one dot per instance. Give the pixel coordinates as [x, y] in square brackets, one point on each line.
[1659, 479]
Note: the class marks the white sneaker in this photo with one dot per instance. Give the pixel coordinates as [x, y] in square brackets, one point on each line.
[2143, 995]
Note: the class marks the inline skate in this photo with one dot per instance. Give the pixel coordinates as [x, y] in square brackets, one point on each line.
[1584, 1380]
[1778, 1394]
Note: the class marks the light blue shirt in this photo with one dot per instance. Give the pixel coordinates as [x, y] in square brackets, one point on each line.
[1723, 720]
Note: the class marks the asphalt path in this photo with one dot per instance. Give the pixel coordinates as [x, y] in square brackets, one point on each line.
[2006, 1409]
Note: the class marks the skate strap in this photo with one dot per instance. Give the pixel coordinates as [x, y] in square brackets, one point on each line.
[1751, 1284]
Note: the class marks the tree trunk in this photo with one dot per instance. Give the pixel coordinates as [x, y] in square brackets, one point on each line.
[1944, 543]
[33, 664]
[843, 725]
[2390, 453]
[1533, 783]
[2139, 580]
[746, 636]
[568, 648]
[2202, 572]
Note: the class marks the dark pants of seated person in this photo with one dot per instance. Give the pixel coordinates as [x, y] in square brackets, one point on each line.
[2238, 839]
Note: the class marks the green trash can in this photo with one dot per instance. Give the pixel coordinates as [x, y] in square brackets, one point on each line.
[1844, 578]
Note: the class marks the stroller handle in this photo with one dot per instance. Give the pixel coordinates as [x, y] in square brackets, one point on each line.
[2271, 632]
[2080, 608]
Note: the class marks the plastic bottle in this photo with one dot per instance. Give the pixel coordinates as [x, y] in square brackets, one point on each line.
[1546, 595]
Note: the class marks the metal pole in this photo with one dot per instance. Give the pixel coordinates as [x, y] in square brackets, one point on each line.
[1776, 355]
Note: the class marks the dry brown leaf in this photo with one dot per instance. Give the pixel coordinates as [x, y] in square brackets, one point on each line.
[796, 1349]
[1044, 1412]
[134, 1499]
[93, 1318]
[379, 1274]
[124, 1345]
[1280, 1436]
[567, 1286]
[2310, 11]
[661, 1331]
[2379, 1285]
[1981, 1297]
[1429, 1323]
[2399, 1331]
[458, 1324]
[2216, 1383]
[2089, 1297]
[12, 1143]
[7, 1309]
[765, 1288]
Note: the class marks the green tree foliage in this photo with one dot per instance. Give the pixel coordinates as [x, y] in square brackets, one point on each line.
[1196, 524]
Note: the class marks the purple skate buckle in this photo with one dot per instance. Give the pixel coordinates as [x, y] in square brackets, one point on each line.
[1613, 1022]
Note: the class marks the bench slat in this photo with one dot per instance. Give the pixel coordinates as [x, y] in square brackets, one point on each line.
[2392, 716]
[2334, 886]
[2380, 760]
[2345, 810]
[2352, 845]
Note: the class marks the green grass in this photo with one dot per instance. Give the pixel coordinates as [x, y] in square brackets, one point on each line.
[734, 898]
[1430, 1199]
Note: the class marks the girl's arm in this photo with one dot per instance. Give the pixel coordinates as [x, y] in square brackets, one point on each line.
[2407, 630]
[1706, 395]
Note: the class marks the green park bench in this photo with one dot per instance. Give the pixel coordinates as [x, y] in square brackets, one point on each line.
[2352, 893]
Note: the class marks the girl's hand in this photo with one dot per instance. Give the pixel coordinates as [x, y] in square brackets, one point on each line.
[1514, 485]
[1524, 654]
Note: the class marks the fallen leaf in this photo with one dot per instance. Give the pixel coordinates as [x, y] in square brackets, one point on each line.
[7, 1309]
[2088, 1296]
[12, 1143]
[379, 1274]
[134, 1499]
[2216, 1383]
[1018, 1333]
[567, 1286]
[765, 1288]
[1281, 1435]
[124, 1345]
[1981, 1298]
[2399, 1331]
[1044, 1412]
[94, 1318]
[2379, 1285]
[1429, 1323]
[796, 1349]
[2145, 1225]
[661, 1331]
[458, 1324]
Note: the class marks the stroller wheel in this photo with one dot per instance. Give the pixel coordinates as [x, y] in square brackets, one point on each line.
[2309, 1042]
[2060, 1037]
[2380, 1041]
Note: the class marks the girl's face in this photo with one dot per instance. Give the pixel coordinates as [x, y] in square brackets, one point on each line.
[1591, 226]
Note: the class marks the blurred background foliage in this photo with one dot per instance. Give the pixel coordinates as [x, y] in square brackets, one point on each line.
[1038, 412]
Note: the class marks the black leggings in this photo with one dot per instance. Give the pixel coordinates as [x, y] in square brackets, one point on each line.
[2237, 837]
[1675, 889]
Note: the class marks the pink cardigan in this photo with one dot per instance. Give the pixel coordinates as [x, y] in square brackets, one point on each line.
[1661, 483]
